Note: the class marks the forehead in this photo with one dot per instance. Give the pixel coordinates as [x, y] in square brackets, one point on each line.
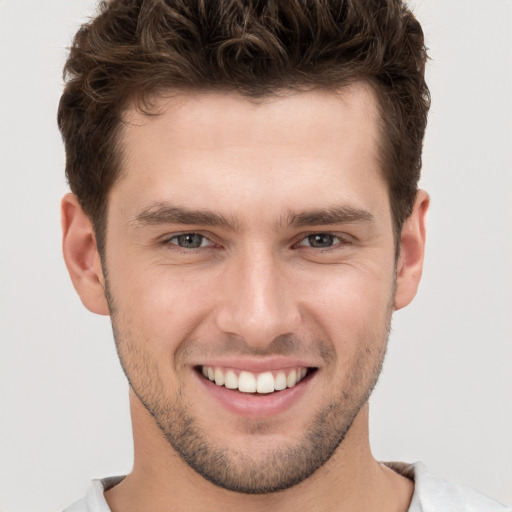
[220, 115]
[203, 147]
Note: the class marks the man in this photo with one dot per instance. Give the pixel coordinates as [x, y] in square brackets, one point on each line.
[245, 207]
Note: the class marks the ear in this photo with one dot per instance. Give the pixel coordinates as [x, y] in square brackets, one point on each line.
[81, 256]
[412, 251]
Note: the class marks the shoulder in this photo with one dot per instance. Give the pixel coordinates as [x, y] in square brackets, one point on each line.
[433, 494]
[94, 500]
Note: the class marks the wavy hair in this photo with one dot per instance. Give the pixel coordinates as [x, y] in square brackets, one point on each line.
[134, 49]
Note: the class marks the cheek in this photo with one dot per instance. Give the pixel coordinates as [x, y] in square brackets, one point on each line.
[352, 305]
[167, 304]
[162, 304]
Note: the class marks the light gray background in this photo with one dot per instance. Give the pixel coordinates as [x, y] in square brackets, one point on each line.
[445, 394]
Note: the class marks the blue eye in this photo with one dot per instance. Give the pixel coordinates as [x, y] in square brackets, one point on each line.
[189, 241]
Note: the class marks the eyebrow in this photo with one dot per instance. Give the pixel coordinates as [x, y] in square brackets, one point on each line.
[163, 213]
[328, 216]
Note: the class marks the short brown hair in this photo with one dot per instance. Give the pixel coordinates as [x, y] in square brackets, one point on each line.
[134, 49]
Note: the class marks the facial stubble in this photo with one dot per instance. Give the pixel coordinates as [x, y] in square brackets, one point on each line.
[229, 468]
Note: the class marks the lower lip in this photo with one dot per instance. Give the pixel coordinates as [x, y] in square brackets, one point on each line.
[254, 405]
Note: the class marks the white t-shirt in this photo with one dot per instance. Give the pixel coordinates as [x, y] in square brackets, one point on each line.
[431, 494]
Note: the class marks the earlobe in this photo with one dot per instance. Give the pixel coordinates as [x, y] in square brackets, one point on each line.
[81, 256]
[412, 251]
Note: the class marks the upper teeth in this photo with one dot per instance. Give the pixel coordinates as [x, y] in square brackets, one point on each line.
[248, 382]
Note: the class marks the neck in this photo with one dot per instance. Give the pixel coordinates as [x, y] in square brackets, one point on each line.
[351, 480]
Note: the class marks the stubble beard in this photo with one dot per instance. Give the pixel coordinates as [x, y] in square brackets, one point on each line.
[274, 470]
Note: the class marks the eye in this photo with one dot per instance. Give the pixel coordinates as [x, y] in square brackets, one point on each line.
[320, 241]
[190, 241]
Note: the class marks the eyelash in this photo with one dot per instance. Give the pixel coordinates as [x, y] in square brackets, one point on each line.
[341, 241]
[169, 241]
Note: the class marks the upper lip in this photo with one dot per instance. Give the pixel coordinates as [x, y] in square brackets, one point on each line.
[256, 365]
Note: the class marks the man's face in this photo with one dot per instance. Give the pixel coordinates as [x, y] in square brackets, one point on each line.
[252, 243]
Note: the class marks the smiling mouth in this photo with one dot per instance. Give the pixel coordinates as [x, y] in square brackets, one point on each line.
[259, 383]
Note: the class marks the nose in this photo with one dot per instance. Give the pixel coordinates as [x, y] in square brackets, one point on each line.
[258, 303]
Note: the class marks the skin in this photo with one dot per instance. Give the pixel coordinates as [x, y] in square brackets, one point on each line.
[256, 289]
